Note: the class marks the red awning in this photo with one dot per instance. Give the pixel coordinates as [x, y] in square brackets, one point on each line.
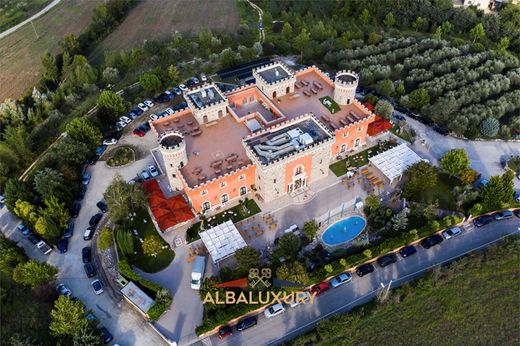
[378, 126]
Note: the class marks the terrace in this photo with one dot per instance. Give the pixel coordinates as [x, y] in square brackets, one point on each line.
[274, 74]
[255, 107]
[205, 96]
[220, 141]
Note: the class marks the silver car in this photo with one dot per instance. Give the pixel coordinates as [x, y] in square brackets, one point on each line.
[452, 232]
[274, 310]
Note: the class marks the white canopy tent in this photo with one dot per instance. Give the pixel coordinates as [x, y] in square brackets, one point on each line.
[222, 241]
[394, 162]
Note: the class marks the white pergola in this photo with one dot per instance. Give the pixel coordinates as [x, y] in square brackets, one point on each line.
[222, 241]
[394, 162]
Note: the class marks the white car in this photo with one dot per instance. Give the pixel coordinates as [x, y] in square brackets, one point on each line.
[300, 297]
[143, 107]
[97, 286]
[203, 77]
[153, 171]
[148, 103]
[63, 290]
[341, 279]
[169, 111]
[125, 119]
[274, 310]
[145, 175]
[121, 124]
[183, 87]
[2, 199]
[452, 232]
[110, 141]
[154, 117]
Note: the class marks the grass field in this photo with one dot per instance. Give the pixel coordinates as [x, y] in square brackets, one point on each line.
[157, 20]
[474, 301]
[21, 51]
[14, 12]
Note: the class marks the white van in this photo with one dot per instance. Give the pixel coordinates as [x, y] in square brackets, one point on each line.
[197, 273]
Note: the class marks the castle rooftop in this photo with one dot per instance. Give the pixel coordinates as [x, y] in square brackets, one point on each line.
[205, 96]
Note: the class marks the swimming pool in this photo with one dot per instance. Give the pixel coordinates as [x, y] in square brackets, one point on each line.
[343, 230]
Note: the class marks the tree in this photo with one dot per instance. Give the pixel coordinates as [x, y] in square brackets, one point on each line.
[400, 220]
[110, 75]
[112, 103]
[438, 33]
[247, 258]
[287, 31]
[18, 139]
[82, 130]
[301, 41]
[152, 245]
[446, 27]
[228, 58]
[365, 17]
[123, 198]
[70, 151]
[70, 44]
[47, 228]
[288, 246]
[489, 127]
[87, 336]
[464, 194]
[384, 108]
[420, 176]
[10, 255]
[50, 72]
[503, 45]
[173, 73]
[150, 82]
[374, 38]
[385, 87]
[419, 24]
[56, 211]
[468, 175]
[34, 274]
[67, 317]
[478, 32]
[48, 182]
[373, 202]
[389, 20]
[455, 161]
[418, 98]
[105, 238]
[26, 211]
[310, 228]
[498, 191]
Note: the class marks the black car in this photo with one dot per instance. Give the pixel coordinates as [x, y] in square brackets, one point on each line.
[86, 254]
[69, 230]
[89, 269]
[94, 220]
[33, 238]
[145, 127]
[89, 233]
[76, 207]
[407, 251]
[516, 212]
[82, 192]
[431, 241]
[63, 245]
[183, 104]
[137, 111]
[105, 335]
[364, 269]
[441, 130]
[246, 323]
[388, 259]
[190, 83]
[102, 206]
[425, 121]
[482, 220]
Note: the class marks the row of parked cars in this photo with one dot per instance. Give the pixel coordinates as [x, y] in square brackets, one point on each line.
[498, 216]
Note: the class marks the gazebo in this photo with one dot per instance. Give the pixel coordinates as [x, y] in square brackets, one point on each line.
[222, 241]
[394, 162]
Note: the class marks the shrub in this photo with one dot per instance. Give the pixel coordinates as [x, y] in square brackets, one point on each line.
[105, 238]
[163, 300]
[126, 270]
[489, 127]
[125, 242]
[468, 176]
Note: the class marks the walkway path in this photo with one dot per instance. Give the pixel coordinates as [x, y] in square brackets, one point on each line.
[260, 22]
[33, 17]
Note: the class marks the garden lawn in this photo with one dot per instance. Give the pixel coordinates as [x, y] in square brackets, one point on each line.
[121, 156]
[148, 264]
[331, 105]
[441, 192]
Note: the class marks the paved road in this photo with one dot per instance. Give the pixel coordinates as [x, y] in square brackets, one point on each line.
[33, 17]
[297, 320]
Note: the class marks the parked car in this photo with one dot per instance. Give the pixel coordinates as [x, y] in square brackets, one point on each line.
[407, 251]
[110, 141]
[137, 111]
[23, 229]
[303, 297]
[89, 269]
[183, 87]
[320, 288]
[274, 310]
[143, 107]
[2, 199]
[441, 130]
[105, 335]
[43, 247]
[190, 83]
[246, 323]
[364, 269]
[503, 215]
[63, 245]
[85, 180]
[63, 290]
[138, 132]
[148, 103]
[120, 125]
[86, 254]
[517, 212]
[154, 117]
[101, 150]
[203, 77]
[169, 111]
[163, 114]
[76, 207]
[341, 279]
[82, 191]
[431, 241]
[387, 259]
[183, 104]
[145, 175]
[452, 232]
[225, 331]
[177, 90]
[482, 220]
[97, 286]
[125, 119]
[94, 220]
[102, 206]
[153, 171]
[33, 238]
[69, 231]
[398, 116]
[89, 233]
[195, 80]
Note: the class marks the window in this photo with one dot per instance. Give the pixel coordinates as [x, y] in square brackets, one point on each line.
[220, 114]
[298, 170]
[274, 181]
[344, 135]
[243, 190]
[244, 100]
[252, 98]
[223, 184]
[359, 129]
[206, 206]
[343, 148]
[204, 192]
[358, 141]
[224, 198]
[241, 177]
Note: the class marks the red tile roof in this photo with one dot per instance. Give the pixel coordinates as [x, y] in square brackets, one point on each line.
[379, 125]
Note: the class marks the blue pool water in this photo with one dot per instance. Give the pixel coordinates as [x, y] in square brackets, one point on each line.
[344, 230]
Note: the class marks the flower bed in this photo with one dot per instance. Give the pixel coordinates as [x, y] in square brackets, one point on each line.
[121, 156]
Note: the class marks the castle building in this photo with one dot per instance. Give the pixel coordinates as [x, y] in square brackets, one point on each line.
[270, 138]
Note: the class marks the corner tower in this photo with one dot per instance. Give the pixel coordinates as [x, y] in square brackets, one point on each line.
[173, 150]
[345, 87]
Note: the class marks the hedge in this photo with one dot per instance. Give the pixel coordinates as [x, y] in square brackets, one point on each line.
[126, 270]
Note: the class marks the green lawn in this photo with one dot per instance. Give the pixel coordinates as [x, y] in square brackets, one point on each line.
[121, 156]
[333, 107]
[243, 211]
[143, 223]
[474, 301]
[441, 192]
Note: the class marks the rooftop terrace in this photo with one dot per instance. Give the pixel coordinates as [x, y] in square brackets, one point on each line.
[274, 74]
[205, 96]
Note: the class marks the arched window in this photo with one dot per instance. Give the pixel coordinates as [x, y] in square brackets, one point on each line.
[287, 90]
[343, 148]
[252, 98]
[206, 206]
[220, 113]
[224, 198]
[205, 119]
[274, 94]
[243, 190]
[358, 142]
[244, 100]
[298, 170]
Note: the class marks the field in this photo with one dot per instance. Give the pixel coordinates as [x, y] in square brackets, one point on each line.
[474, 301]
[21, 51]
[13, 12]
[157, 20]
